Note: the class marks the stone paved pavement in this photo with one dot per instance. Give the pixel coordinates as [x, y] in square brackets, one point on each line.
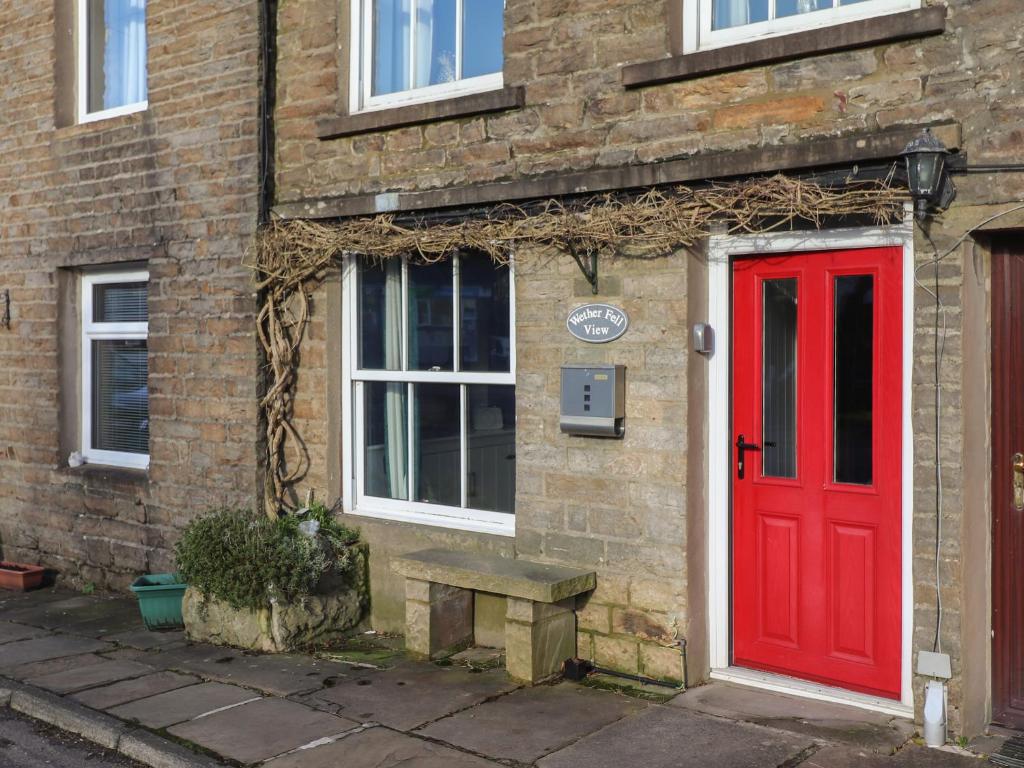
[374, 708]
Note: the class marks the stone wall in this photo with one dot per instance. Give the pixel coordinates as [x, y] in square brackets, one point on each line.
[622, 507]
[577, 115]
[173, 187]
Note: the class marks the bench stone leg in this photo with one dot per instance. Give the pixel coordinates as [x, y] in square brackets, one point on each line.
[538, 638]
[438, 618]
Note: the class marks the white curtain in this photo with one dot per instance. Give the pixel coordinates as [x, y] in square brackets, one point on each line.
[424, 42]
[392, 29]
[396, 441]
[731, 13]
[124, 55]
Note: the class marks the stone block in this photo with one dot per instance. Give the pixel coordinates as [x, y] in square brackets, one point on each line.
[661, 663]
[440, 625]
[538, 638]
[620, 654]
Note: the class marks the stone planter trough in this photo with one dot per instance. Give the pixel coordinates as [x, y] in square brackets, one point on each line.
[309, 621]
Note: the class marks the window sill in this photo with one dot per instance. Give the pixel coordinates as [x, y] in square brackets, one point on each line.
[107, 114]
[500, 100]
[771, 50]
[439, 521]
[107, 472]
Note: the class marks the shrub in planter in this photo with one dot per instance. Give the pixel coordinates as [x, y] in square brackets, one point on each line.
[271, 585]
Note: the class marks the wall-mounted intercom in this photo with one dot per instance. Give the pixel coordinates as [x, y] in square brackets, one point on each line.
[593, 400]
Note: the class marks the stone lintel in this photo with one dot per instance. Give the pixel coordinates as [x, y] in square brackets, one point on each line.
[831, 151]
[491, 573]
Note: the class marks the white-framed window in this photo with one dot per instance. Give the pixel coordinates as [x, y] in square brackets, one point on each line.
[717, 23]
[430, 410]
[411, 51]
[111, 58]
[115, 369]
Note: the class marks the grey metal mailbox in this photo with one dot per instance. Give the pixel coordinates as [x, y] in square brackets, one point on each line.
[593, 400]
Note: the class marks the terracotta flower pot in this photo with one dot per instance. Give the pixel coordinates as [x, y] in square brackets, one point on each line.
[20, 576]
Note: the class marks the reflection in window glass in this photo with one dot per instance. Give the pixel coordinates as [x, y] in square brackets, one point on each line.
[436, 444]
[854, 358]
[386, 440]
[484, 310]
[735, 13]
[380, 315]
[794, 7]
[392, 25]
[483, 20]
[116, 60]
[779, 370]
[435, 42]
[120, 303]
[492, 447]
[431, 306]
[120, 394]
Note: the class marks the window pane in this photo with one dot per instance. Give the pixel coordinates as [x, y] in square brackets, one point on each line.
[435, 42]
[380, 315]
[482, 37]
[120, 396]
[119, 303]
[794, 7]
[116, 31]
[735, 13]
[492, 447]
[385, 430]
[484, 338]
[392, 25]
[854, 351]
[779, 353]
[431, 306]
[436, 444]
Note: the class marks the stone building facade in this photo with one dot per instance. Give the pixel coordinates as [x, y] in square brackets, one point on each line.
[614, 97]
[617, 96]
[170, 189]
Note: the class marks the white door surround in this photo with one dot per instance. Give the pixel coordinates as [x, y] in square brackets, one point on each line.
[722, 249]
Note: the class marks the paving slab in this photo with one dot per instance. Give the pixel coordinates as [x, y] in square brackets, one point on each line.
[859, 728]
[107, 696]
[10, 632]
[277, 674]
[261, 730]
[661, 737]
[910, 756]
[380, 748]
[411, 695]
[51, 647]
[51, 666]
[182, 704]
[531, 722]
[74, 611]
[89, 676]
[145, 640]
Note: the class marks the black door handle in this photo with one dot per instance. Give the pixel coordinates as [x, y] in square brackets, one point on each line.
[742, 446]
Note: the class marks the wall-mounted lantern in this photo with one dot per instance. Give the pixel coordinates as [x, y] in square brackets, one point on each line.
[927, 177]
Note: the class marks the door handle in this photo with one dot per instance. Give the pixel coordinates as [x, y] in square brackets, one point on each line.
[742, 446]
[1018, 481]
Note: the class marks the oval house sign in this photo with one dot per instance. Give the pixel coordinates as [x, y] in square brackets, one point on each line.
[597, 323]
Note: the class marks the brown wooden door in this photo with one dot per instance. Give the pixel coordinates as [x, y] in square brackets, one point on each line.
[1007, 517]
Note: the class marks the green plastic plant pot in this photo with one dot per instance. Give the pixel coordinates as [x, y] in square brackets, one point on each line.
[160, 597]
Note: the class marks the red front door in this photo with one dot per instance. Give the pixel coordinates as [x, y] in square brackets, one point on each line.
[817, 422]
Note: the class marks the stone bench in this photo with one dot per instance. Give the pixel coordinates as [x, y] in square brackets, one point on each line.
[540, 618]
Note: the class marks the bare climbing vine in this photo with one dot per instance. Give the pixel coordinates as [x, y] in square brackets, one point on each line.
[290, 258]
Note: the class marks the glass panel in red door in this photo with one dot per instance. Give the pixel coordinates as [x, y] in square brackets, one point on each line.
[817, 420]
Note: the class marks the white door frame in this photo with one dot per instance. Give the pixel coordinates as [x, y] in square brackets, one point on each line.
[721, 251]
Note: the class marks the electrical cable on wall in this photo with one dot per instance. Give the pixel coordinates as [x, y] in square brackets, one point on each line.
[940, 347]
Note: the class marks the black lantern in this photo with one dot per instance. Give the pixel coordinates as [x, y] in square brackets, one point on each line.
[927, 179]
